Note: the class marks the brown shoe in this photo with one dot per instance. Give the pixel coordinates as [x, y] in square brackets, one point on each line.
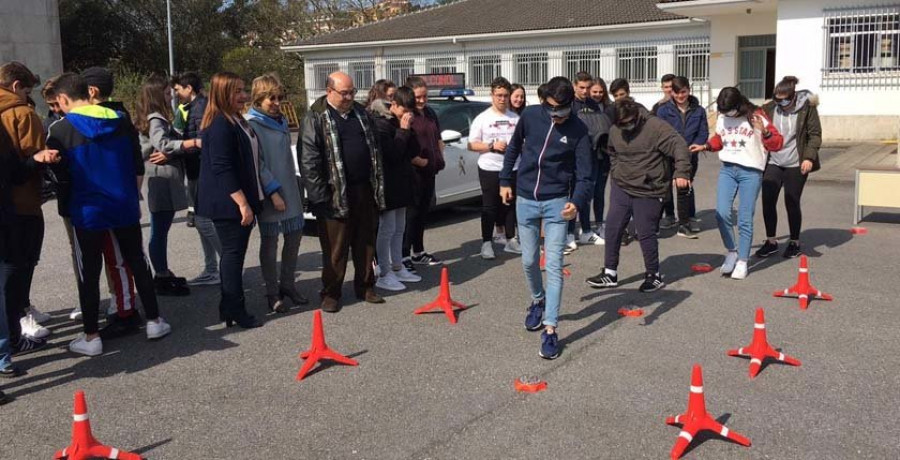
[371, 297]
[330, 305]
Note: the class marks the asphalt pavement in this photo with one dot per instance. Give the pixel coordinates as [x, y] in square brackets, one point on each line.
[426, 389]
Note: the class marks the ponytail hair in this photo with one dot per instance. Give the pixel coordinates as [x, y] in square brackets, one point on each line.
[787, 86]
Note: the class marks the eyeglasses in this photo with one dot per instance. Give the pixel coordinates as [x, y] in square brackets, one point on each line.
[349, 94]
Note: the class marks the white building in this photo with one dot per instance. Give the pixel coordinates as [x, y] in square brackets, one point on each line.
[29, 33]
[846, 51]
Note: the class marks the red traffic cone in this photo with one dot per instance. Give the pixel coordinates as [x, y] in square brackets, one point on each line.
[760, 349]
[443, 301]
[696, 419]
[319, 350]
[543, 262]
[84, 446]
[803, 290]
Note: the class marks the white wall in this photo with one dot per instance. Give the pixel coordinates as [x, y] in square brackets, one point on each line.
[29, 33]
[723, 42]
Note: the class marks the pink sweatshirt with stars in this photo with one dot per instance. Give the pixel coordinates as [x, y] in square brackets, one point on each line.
[738, 142]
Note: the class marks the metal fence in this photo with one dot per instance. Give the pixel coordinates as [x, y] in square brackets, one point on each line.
[642, 63]
[862, 47]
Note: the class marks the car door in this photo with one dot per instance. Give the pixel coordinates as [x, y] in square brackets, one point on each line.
[459, 180]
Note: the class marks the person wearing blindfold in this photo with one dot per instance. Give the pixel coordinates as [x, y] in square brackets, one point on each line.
[640, 149]
[796, 116]
[554, 151]
[743, 136]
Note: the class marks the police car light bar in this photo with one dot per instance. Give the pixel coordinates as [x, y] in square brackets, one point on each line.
[446, 84]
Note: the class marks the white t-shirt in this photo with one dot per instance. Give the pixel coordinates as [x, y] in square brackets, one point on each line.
[490, 126]
[741, 143]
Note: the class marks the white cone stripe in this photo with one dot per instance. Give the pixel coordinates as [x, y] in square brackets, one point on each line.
[818, 293]
[114, 454]
[677, 419]
[740, 351]
[781, 356]
[759, 325]
[804, 270]
[724, 432]
[803, 296]
[756, 361]
[696, 389]
[686, 435]
[81, 417]
[787, 291]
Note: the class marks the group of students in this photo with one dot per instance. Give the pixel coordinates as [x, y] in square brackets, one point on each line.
[368, 171]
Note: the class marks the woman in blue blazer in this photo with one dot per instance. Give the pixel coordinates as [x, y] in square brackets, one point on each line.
[229, 191]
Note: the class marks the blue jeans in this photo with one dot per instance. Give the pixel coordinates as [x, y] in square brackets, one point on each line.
[160, 223]
[530, 214]
[744, 183]
[6, 269]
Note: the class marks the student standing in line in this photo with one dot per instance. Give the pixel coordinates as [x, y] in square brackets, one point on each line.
[282, 212]
[684, 113]
[600, 94]
[743, 136]
[229, 191]
[517, 99]
[665, 84]
[489, 134]
[163, 152]
[393, 122]
[796, 117]
[99, 171]
[382, 89]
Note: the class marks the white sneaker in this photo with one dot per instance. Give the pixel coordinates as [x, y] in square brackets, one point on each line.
[487, 250]
[88, 348]
[499, 237]
[403, 275]
[600, 229]
[376, 269]
[740, 270]
[591, 238]
[31, 328]
[38, 315]
[389, 282]
[513, 247]
[158, 329]
[75, 315]
[730, 260]
[571, 245]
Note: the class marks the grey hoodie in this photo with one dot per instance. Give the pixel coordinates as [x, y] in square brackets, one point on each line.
[785, 120]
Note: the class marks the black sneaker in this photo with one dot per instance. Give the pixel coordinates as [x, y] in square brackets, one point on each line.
[603, 280]
[687, 232]
[653, 282]
[425, 259]
[11, 372]
[767, 249]
[549, 346]
[408, 265]
[792, 250]
[667, 222]
[190, 219]
[627, 238]
[533, 321]
[120, 327]
[28, 345]
[169, 286]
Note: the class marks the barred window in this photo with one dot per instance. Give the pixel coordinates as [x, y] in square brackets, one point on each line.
[583, 61]
[363, 74]
[692, 61]
[637, 65]
[531, 68]
[862, 41]
[484, 70]
[322, 71]
[399, 70]
[441, 65]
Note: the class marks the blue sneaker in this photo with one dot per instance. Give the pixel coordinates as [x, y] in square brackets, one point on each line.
[549, 346]
[535, 316]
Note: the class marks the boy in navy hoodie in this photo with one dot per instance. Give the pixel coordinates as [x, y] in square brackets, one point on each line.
[555, 151]
[98, 187]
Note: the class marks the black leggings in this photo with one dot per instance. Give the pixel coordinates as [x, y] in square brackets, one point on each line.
[492, 208]
[774, 178]
[417, 214]
[622, 207]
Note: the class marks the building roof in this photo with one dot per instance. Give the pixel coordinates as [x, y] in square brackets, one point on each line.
[470, 17]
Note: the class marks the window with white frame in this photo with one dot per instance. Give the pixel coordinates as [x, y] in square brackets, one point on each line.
[484, 69]
[692, 61]
[322, 71]
[531, 68]
[862, 42]
[363, 74]
[400, 69]
[583, 61]
[440, 65]
[637, 64]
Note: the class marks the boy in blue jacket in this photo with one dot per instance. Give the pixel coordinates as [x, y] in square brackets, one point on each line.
[98, 189]
[555, 151]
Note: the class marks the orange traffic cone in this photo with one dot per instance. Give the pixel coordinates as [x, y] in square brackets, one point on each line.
[319, 350]
[565, 270]
[696, 419]
[84, 446]
[803, 290]
[443, 301]
[760, 349]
